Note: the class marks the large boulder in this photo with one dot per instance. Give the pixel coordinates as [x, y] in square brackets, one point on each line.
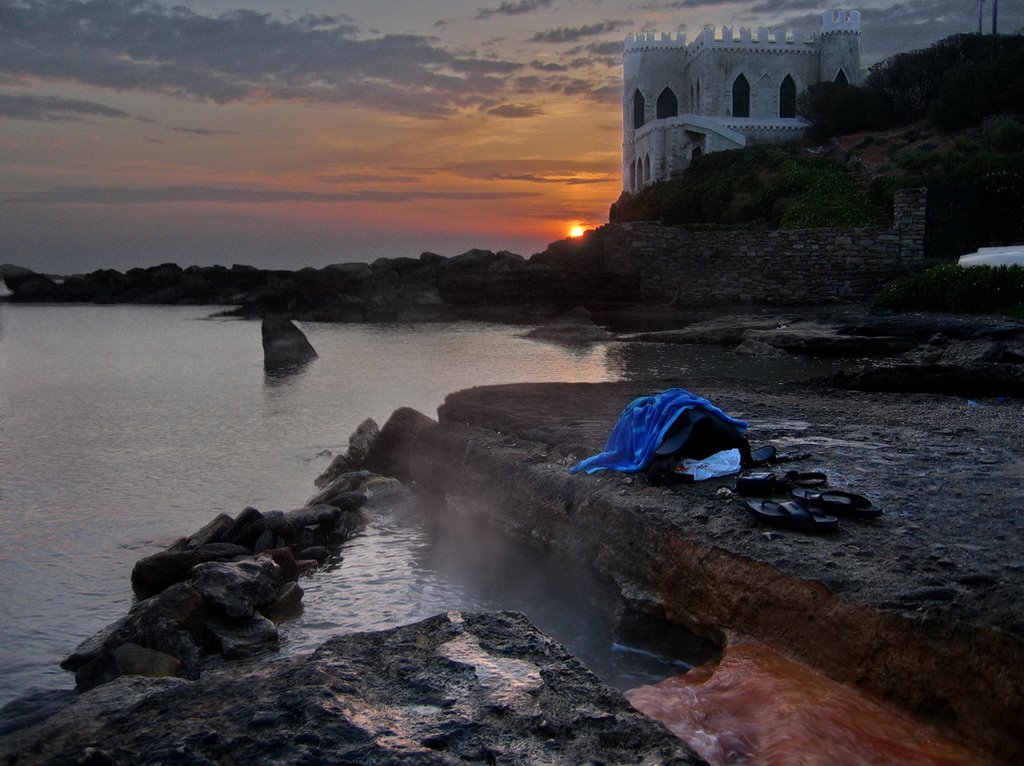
[455, 688]
[284, 343]
[238, 588]
[388, 454]
[358, 445]
[152, 574]
[171, 623]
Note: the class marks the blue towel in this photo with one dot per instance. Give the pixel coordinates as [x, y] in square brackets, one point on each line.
[642, 427]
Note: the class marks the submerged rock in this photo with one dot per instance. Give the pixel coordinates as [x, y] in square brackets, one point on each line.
[284, 343]
[455, 688]
[575, 326]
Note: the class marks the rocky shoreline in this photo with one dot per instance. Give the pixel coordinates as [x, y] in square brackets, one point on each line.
[475, 284]
[920, 608]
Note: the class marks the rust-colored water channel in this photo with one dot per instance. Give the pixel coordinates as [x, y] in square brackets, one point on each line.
[757, 707]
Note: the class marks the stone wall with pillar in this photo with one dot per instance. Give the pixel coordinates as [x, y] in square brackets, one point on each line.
[790, 266]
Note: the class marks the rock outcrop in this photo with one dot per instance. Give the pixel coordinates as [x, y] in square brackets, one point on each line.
[455, 688]
[478, 283]
[284, 343]
[920, 607]
[220, 590]
[575, 326]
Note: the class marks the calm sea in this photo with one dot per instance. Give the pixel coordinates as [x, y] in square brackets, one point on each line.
[124, 427]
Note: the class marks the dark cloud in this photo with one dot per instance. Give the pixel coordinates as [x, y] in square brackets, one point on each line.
[26, 106]
[537, 171]
[609, 48]
[515, 110]
[785, 6]
[88, 195]
[357, 178]
[574, 34]
[203, 131]
[680, 5]
[567, 180]
[514, 9]
[549, 66]
[145, 46]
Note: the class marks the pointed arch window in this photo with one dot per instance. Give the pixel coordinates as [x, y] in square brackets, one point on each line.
[668, 104]
[647, 169]
[840, 78]
[787, 98]
[696, 106]
[740, 97]
[638, 110]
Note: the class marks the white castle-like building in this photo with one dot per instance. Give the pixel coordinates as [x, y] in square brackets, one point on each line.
[724, 90]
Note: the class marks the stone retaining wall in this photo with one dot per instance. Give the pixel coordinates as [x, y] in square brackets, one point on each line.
[795, 266]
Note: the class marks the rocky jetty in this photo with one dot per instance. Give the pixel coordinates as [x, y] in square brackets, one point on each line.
[455, 688]
[221, 590]
[284, 343]
[475, 284]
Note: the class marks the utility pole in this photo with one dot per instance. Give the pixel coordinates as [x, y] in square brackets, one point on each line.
[995, 12]
[980, 4]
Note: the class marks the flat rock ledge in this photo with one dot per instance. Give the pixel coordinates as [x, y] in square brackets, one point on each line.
[456, 688]
[920, 608]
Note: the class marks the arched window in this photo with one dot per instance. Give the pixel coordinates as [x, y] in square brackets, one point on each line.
[740, 97]
[787, 98]
[647, 169]
[639, 173]
[668, 104]
[841, 78]
[696, 105]
[638, 110]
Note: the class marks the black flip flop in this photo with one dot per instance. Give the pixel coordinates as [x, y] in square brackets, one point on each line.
[768, 484]
[791, 514]
[840, 503]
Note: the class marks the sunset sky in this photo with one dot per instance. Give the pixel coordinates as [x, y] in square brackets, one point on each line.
[290, 133]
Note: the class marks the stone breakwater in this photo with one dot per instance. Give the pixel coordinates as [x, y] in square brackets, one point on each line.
[616, 265]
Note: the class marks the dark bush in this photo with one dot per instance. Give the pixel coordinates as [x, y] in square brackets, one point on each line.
[973, 290]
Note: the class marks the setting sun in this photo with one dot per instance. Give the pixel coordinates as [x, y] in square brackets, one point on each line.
[576, 231]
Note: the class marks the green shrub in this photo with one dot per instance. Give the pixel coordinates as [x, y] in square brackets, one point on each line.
[759, 186]
[973, 290]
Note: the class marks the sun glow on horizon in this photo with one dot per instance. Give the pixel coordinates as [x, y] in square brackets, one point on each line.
[576, 231]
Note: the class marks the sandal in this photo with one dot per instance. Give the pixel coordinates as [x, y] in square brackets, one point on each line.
[840, 503]
[791, 514]
[768, 484]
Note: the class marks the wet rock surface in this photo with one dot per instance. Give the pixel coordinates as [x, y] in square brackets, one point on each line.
[284, 343]
[456, 688]
[921, 606]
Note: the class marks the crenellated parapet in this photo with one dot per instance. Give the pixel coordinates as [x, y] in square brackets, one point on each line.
[652, 41]
[741, 38]
[840, 22]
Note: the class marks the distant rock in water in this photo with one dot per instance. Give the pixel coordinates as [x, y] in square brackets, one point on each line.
[284, 343]
[575, 326]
